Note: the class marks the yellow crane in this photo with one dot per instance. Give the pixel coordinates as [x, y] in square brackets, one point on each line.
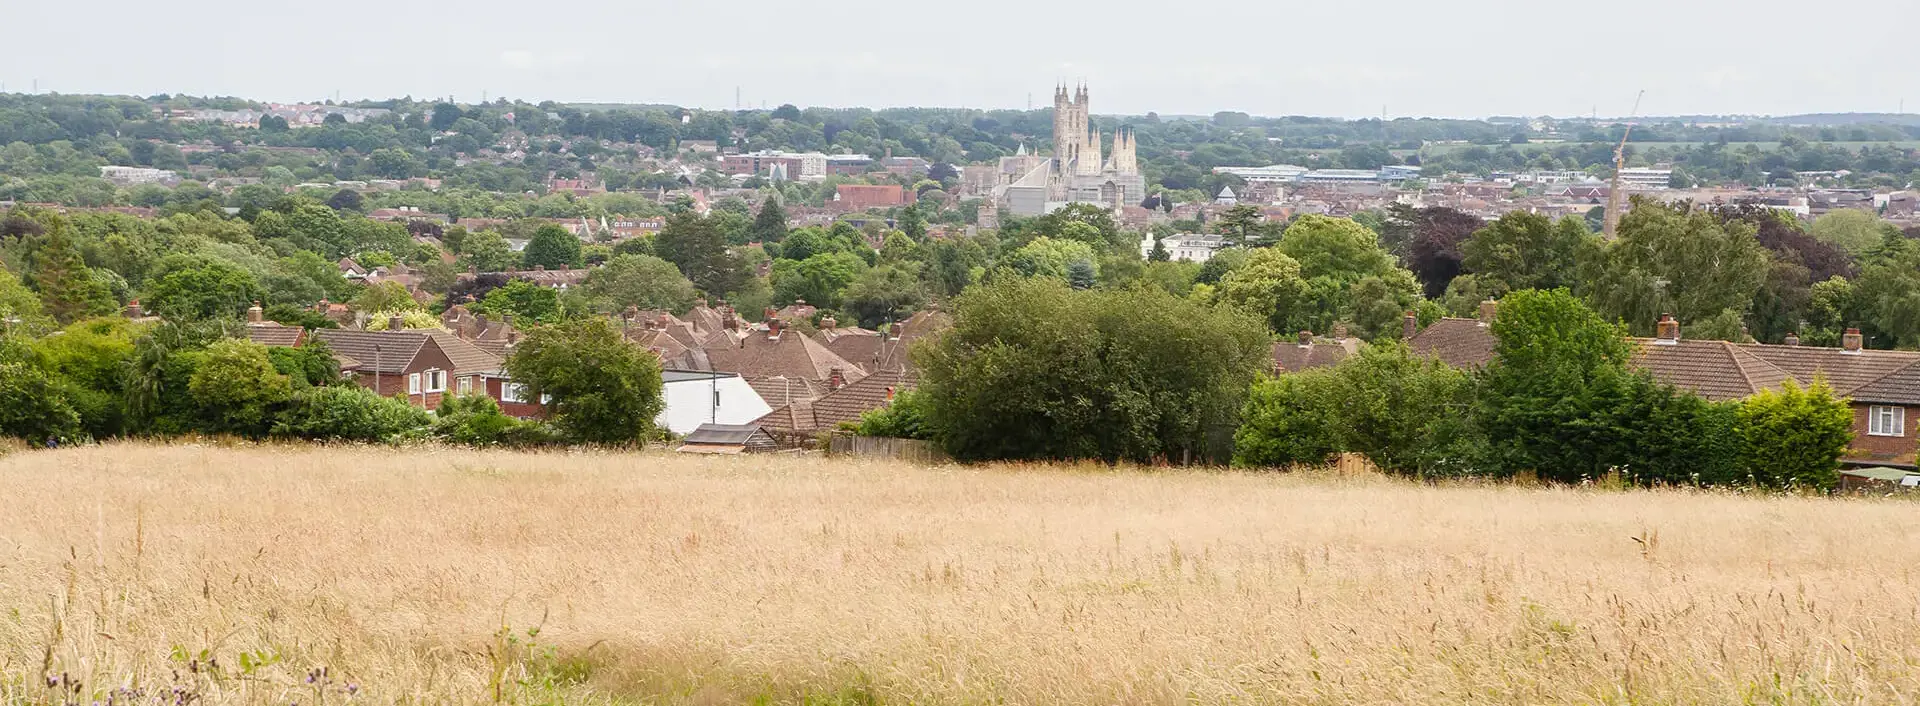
[1619, 165]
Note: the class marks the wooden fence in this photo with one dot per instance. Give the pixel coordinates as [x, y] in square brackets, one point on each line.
[881, 447]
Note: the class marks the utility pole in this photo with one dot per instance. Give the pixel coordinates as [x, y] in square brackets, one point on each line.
[376, 370]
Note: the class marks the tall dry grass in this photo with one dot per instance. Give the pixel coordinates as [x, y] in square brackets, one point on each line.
[305, 574]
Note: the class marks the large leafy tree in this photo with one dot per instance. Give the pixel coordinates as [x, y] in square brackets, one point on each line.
[1674, 259]
[552, 247]
[237, 389]
[1035, 369]
[820, 280]
[1269, 285]
[69, 290]
[1434, 252]
[1336, 256]
[20, 308]
[699, 248]
[602, 389]
[1528, 251]
[192, 287]
[770, 224]
[642, 281]
[1406, 414]
[882, 294]
[489, 251]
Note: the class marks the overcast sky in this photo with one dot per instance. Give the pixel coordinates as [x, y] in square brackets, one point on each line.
[1454, 58]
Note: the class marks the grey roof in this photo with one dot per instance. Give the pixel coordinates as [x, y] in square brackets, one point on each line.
[686, 375]
[723, 433]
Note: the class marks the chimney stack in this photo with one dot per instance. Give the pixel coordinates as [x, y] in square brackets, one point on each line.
[323, 306]
[1339, 331]
[396, 322]
[255, 315]
[1487, 309]
[1667, 331]
[836, 379]
[1305, 338]
[829, 323]
[1852, 341]
[1793, 339]
[773, 329]
[133, 308]
[1409, 326]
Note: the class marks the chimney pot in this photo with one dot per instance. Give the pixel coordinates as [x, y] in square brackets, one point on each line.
[1667, 331]
[1487, 309]
[1409, 326]
[836, 379]
[1793, 339]
[396, 323]
[1852, 341]
[1305, 338]
[829, 323]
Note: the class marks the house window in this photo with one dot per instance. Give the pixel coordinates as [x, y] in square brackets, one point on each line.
[466, 384]
[436, 381]
[413, 383]
[1886, 421]
[513, 392]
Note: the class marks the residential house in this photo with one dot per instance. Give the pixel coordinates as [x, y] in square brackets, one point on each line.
[1883, 387]
[856, 345]
[696, 398]
[1306, 352]
[423, 366]
[843, 404]
[782, 352]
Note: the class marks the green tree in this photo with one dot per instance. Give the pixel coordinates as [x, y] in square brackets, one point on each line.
[642, 281]
[1269, 285]
[388, 296]
[1291, 419]
[1851, 230]
[1794, 437]
[90, 359]
[529, 301]
[1336, 255]
[552, 247]
[1525, 250]
[20, 309]
[912, 224]
[33, 406]
[1035, 369]
[1047, 257]
[237, 389]
[193, 287]
[1669, 259]
[69, 290]
[698, 247]
[821, 280]
[349, 413]
[603, 390]
[882, 294]
[770, 225]
[489, 251]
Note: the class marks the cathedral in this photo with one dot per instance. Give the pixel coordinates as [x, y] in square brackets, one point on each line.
[1077, 172]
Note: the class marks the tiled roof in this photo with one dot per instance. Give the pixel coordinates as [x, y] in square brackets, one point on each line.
[1290, 356]
[1717, 370]
[790, 354]
[843, 405]
[894, 353]
[855, 345]
[781, 390]
[1845, 372]
[397, 348]
[272, 334]
[466, 357]
[1461, 343]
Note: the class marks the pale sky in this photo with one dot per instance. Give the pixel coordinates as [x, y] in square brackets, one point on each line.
[1445, 58]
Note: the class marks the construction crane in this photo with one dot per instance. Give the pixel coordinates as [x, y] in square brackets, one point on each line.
[1619, 165]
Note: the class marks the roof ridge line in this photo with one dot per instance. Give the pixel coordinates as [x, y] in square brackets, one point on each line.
[1880, 377]
[1737, 352]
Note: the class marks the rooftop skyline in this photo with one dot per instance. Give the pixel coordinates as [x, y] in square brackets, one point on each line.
[1469, 59]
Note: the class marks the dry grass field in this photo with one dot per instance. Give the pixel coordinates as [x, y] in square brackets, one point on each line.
[304, 575]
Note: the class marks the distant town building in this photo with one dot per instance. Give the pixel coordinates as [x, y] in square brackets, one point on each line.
[133, 176]
[1186, 247]
[1642, 178]
[860, 197]
[1077, 173]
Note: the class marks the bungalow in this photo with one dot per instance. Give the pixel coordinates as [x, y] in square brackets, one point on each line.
[425, 365]
[842, 404]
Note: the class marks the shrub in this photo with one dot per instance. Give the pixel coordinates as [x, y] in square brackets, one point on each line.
[1794, 438]
[32, 405]
[476, 420]
[236, 388]
[349, 413]
[905, 418]
[604, 390]
[1291, 419]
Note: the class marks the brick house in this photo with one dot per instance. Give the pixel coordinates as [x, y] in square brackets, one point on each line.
[423, 366]
[1882, 387]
